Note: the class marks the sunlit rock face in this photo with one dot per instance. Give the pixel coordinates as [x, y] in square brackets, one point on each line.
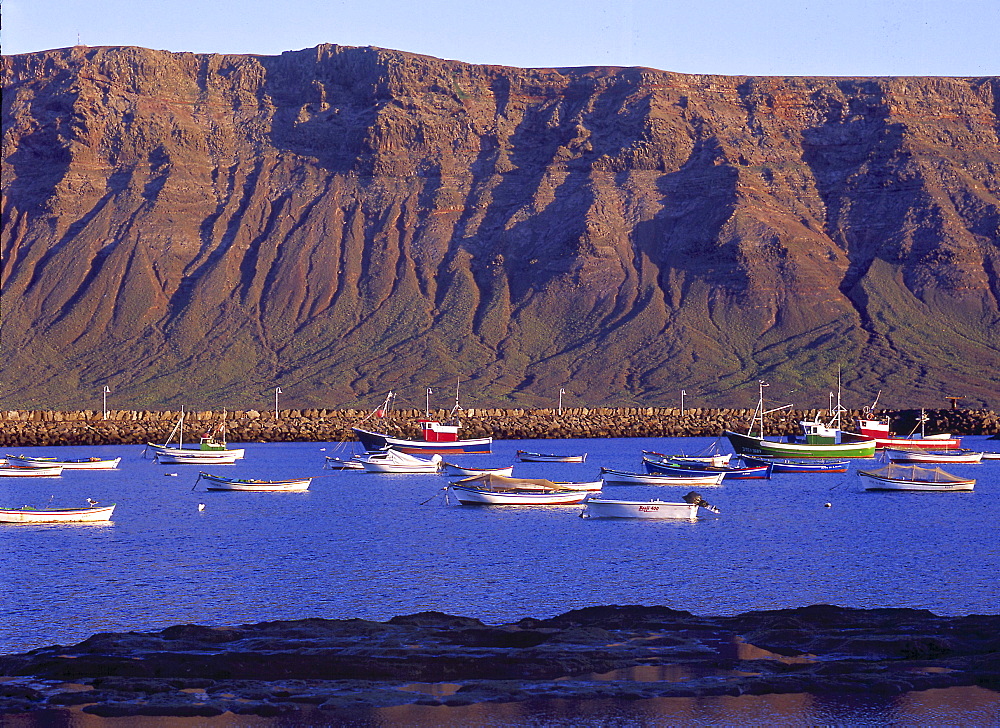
[194, 228]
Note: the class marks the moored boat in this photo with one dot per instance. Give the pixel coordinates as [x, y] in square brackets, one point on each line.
[608, 508]
[438, 438]
[218, 482]
[868, 427]
[178, 456]
[12, 470]
[718, 460]
[931, 456]
[895, 476]
[621, 477]
[26, 514]
[821, 440]
[92, 463]
[669, 467]
[453, 470]
[212, 448]
[782, 465]
[489, 489]
[335, 463]
[439, 444]
[394, 461]
[538, 457]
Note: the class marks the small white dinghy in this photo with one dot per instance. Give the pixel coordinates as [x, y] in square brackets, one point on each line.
[620, 477]
[607, 508]
[92, 463]
[452, 469]
[27, 514]
[30, 471]
[932, 456]
[219, 482]
[394, 461]
[914, 477]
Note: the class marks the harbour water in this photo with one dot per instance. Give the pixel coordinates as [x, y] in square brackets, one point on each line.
[374, 546]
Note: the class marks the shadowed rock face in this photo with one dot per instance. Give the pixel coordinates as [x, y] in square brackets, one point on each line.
[195, 228]
[337, 666]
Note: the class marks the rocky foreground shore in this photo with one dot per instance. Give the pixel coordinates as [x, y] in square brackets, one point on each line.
[344, 670]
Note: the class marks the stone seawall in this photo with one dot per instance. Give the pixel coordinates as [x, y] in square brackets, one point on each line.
[43, 427]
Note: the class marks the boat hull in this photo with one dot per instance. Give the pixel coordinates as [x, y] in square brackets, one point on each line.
[747, 445]
[618, 477]
[534, 457]
[657, 467]
[877, 483]
[83, 464]
[194, 459]
[601, 508]
[925, 456]
[62, 515]
[452, 469]
[481, 496]
[375, 441]
[260, 486]
[914, 477]
[31, 471]
[791, 466]
[190, 456]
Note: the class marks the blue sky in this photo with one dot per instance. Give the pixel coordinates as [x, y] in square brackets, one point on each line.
[765, 37]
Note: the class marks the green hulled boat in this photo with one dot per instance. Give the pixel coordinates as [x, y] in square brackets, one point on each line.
[821, 440]
[750, 445]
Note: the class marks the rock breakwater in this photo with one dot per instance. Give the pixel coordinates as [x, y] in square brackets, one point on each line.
[88, 427]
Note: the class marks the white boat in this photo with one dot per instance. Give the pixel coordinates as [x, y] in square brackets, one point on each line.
[30, 471]
[537, 457]
[91, 463]
[452, 469]
[394, 461]
[914, 477]
[620, 477]
[489, 489]
[991, 455]
[607, 508]
[218, 482]
[335, 463]
[930, 456]
[211, 450]
[27, 514]
[176, 456]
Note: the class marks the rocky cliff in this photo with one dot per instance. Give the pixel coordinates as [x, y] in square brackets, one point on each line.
[340, 221]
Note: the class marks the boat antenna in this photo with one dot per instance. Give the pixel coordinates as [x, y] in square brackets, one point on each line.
[871, 410]
[458, 406]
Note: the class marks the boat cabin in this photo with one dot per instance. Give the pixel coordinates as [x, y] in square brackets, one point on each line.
[817, 433]
[436, 432]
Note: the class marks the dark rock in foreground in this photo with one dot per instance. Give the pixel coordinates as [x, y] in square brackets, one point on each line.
[295, 668]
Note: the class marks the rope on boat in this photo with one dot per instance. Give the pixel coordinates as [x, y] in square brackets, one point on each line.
[197, 481]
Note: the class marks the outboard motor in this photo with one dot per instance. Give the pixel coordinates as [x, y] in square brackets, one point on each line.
[695, 499]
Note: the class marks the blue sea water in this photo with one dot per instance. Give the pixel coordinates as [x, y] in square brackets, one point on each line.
[374, 546]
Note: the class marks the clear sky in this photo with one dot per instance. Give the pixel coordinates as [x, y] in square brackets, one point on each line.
[740, 37]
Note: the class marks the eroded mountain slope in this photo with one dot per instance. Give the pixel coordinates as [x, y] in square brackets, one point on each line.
[344, 221]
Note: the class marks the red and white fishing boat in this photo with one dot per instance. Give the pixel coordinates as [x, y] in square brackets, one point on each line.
[871, 428]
